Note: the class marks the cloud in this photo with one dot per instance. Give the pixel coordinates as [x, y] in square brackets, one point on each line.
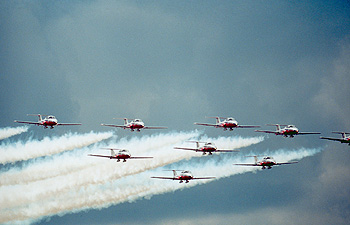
[334, 93]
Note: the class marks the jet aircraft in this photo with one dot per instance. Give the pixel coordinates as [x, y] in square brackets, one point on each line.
[208, 147]
[266, 162]
[288, 130]
[48, 121]
[344, 139]
[228, 123]
[184, 176]
[135, 124]
[122, 154]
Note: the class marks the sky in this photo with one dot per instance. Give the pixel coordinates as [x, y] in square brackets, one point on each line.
[173, 63]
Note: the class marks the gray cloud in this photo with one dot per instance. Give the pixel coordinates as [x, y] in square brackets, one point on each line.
[172, 64]
[334, 94]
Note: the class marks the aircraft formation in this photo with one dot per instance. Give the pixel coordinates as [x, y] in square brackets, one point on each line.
[225, 123]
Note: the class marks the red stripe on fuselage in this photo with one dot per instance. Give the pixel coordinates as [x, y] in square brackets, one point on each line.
[122, 156]
[290, 132]
[208, 149]
[49, 123]
[267, 163]
[136, 126]
[230, 125]
[184, 177]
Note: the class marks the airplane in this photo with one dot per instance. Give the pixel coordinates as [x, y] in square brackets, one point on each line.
[122, 154]
[227, 123]
[135, 124]
[48, 121]
[288, 130]
[208, 147]
[184, 176]
[266, 162]
[344, 139]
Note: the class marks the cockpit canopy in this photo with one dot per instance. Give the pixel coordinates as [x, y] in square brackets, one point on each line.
[291, 126]
[51, 117]
[268, 157]
[230, 119]
[124, 151]
[137, 120]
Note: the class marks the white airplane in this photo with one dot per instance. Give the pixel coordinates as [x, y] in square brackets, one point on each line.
[266, 162]
[122, 154]
[344, 139]
[208, 147]
[184, 176]
[288, 130]
[48, 121]
[227, 123]
[135, 124]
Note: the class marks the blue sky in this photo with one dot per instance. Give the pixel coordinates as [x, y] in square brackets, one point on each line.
[174, 63]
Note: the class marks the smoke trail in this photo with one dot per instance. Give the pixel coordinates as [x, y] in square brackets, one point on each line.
[10, 131]
[106, 171]
[10, 153]
[140, 186]
[75, 161]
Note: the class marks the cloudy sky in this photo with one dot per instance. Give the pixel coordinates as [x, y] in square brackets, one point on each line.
[172, 63]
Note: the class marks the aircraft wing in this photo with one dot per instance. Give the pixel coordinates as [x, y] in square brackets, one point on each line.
[67, 124]
[219, 150]
[189, 149]
[247, 126]
[286, 163]
[27, 122]
[168, 178]
[206, 124]
[105, 156]
[333, 139]
[140, 157]
[238, 164]
[202, 178]
[155, 128]
[267, 131]
[309, 133]
[112, 125]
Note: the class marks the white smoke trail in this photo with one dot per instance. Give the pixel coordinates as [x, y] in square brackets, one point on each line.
[11, 131]
[19, 151]
[139, 186]
[106, 171]
[71, 162]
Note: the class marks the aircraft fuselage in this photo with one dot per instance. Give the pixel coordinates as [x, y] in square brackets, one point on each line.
[48, 123]
[122, 156]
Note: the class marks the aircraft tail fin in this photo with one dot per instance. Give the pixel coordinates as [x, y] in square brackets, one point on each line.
[125, 120]
[255, 158]
[174, 172]
[197, 143]
[278, 126]
[343, 134]
[39, 116]
[217, 118]
[112, 150]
